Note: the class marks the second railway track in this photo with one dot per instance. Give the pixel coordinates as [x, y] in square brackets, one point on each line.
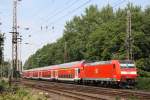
[82, 92]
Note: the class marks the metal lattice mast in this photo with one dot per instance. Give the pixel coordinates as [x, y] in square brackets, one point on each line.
[14, 38]
[129, 37]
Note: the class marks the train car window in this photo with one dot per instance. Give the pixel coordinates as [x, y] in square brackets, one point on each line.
[78, 70]
[71, 75]
[67, 76]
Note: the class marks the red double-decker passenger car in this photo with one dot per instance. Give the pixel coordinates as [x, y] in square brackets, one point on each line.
[114, 72]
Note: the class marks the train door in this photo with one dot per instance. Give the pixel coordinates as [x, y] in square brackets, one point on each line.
[52, 74]
[31, 74]
[76, 73]
[56, 74]
[38, 74]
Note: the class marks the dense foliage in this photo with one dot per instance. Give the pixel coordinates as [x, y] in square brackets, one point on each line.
[143, 84]
[99, 34]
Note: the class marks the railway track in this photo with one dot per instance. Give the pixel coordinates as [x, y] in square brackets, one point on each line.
[82, 92]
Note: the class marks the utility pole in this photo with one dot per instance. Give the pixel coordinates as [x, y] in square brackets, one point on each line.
[1, 52]
[15, 34]
[1, 42]
[20, 60]
[129, 37]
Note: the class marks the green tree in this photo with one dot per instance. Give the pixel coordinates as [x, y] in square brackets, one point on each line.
[99, 34]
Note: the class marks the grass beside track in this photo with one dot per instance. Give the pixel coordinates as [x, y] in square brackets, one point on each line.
[18, 93]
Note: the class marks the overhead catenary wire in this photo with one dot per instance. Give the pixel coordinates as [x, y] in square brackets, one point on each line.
[70, 12]
[74, 10]
[57, 12]
[118, 3]
[77, 8]
[62, 10]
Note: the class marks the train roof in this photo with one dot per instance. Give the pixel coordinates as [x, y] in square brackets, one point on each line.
[97, 63]
[74, 64]
[65, 65]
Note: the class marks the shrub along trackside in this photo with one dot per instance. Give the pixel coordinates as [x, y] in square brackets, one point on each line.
[143, 83]
[17, 93]
[3, 86]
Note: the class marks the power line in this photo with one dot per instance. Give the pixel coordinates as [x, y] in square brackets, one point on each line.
[77, 8]
[36, 14]
[70, 12]
[62, 10]
[57, 12]
[118, 3]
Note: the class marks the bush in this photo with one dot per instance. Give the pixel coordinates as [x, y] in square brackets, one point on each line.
[3, 86]
[20, 93]
[143, 83]
[142, 73]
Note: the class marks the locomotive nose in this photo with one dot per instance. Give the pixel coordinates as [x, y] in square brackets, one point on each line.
[128, 74]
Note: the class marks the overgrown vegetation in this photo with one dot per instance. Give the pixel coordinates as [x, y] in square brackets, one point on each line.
[143, 84]
[18, 93]
[99, 34]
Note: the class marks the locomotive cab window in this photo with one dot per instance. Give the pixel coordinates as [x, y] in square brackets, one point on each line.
[127, 64]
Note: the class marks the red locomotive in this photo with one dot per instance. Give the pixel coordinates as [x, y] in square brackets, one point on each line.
[114, 72]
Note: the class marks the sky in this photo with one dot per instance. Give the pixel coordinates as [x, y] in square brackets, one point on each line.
[51, 16]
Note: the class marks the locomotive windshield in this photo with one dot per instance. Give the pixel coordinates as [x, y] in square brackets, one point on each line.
[127, 64]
